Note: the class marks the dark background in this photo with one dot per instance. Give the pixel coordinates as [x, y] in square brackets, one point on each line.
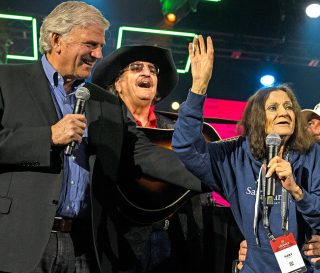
[272, 35]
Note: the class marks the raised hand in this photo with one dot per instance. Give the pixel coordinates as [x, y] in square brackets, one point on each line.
[70, 128]
[201, 56]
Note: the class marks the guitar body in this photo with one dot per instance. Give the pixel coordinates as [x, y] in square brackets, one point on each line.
[146, 200]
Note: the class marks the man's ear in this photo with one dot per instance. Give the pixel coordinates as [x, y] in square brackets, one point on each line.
[55, 40]
[118, 85]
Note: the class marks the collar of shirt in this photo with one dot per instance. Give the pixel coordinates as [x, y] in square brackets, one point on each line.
[152, 119]
[53, 75]
[64, 103]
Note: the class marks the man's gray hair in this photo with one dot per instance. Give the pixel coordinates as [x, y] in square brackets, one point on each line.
[65, 17]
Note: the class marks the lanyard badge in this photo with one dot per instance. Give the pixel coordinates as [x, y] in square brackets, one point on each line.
[287, 254]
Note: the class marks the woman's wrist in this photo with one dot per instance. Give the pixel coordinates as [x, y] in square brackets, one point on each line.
[297, 193]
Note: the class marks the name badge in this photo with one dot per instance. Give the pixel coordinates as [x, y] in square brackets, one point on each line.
[287, 254]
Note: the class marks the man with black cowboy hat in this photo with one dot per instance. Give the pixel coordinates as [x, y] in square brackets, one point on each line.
[141, 76]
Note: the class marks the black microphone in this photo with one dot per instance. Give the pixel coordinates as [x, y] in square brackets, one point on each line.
[273, 142]
[82, 95]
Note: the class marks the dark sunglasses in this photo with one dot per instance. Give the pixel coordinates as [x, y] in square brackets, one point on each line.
[138, 67]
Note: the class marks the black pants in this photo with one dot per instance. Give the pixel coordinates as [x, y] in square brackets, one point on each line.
[68, 253]
[222, 238]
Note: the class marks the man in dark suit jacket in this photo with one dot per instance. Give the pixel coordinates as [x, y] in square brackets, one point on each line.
[56, 212]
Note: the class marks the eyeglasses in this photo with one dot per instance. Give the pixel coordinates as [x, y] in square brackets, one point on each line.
[138, 67]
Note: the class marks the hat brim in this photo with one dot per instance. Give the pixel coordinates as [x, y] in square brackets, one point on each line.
[307, 113]
[107, 71]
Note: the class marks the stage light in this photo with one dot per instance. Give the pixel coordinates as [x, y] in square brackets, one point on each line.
[236, 54]
[147, 33]
[177, 9]
[313, 63]
[34, 39]
[313, 10]
[171, 18]
[175, 106]
[267, 80]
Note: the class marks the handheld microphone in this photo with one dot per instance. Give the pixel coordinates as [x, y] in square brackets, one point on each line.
[82, 95]
[273, 142]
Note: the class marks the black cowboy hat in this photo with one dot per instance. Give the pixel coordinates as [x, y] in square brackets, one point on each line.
[109, 68]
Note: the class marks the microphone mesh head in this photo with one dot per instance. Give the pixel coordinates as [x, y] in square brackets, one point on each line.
[273, 140]
[83, 93]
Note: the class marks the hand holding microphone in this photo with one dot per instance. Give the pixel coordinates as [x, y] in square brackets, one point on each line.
[273, 142]
[70, 129]
[82, 95]
[283, 171]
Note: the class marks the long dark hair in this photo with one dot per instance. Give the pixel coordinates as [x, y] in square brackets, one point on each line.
[253, 122]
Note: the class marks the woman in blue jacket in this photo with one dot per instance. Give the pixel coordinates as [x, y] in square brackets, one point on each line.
[237, 167]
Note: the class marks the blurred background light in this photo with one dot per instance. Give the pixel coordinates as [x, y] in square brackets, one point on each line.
[171, 18]
[175, 106]
[267, 80]
[313, 10]
[174, 10]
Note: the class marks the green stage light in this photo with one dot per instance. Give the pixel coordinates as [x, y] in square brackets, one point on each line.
[34, 36]
[175, 10]
[169, 5]
[180, 8]
[158, 32]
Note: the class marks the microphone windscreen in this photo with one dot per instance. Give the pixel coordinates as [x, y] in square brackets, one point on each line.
[273, 140]
[82, 93]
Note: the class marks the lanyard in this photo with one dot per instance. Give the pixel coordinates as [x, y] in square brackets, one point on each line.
[284, 209]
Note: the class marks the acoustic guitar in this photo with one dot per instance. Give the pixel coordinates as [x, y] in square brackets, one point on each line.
[146, 200]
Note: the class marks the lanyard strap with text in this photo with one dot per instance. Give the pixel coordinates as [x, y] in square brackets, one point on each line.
[284, 209]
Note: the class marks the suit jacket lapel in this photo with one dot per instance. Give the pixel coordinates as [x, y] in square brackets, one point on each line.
[38, 87]
[98, 95]
[92, 110]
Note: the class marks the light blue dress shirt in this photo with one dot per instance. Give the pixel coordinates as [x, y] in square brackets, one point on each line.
[74, 199]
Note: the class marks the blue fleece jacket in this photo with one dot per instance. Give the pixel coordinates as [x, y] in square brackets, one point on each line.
[229, 167]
